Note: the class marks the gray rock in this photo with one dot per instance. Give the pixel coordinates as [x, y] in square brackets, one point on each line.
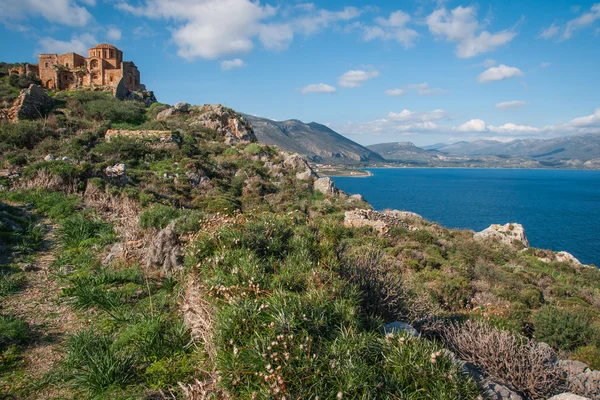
[357, 197]
[573, 367]
[164, 114]
[497, 391]
[65, 159]
[399, 327]
[326, 186]
[116, 170]
[117, 252]
[32, 103]
[511, 234]
[50, 157]
[568, 396]
[181, 107]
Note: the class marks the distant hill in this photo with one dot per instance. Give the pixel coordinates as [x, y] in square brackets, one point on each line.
[583, 147]
[405, 151]
[315, 141]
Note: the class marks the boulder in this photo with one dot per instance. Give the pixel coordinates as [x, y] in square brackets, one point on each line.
[379, 221]
[568, 396]
[50, 157]
[497, 391]
[404, 215]
[164, 114]
[581, 379]
[224, 121]
[116, 170]
[563, 256]
[399, 327]
[32, 103]
[296, 162]
[116, 253]
[326, 186]
[357, 197]
[181, 107]
[510, 234]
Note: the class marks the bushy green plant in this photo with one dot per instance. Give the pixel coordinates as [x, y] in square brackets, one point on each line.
[113, 110]
[93, 364]
[590, 355]
[12, 331]
[81, 231]
[158, 216]
[564, 329]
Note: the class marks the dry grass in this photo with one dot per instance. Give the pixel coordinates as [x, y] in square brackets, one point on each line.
[43, 179]
[198, 315]
[527, 366]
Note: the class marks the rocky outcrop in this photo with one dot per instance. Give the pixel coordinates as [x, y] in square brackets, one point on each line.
[32, 103]
[496, 391]
[563, 256]
[581, 379]
[145, 96]
[224, 121]
[180, 108]
[299, 164]
[510, 234]
[568, 396]
[326, 186]
[399, 327]
[381, 222]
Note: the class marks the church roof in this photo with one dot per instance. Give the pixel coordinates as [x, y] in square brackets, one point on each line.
[105, 46]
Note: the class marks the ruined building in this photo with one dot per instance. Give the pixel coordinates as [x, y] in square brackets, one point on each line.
[104, 66]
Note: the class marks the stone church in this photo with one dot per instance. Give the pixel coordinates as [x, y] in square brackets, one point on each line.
[104, 66]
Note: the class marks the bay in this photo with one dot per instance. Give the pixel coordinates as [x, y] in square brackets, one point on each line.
[560, 210]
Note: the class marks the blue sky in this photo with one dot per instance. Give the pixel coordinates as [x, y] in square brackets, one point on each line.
[413, 70]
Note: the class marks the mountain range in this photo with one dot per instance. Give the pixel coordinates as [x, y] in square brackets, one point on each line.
[317, 142]
[320, 144]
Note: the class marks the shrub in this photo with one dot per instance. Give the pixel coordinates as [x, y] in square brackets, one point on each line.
[381, 289]
[158, 216]
[79, 231]
[254, 149]
[589, 355]
[113, 110]
[12, 331]
[93, 364]
[524, 364]
[24, 135]
[564, 329]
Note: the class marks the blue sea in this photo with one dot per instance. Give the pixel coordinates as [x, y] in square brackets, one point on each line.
[560, 210]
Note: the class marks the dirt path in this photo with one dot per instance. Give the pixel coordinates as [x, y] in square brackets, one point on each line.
[50, 320]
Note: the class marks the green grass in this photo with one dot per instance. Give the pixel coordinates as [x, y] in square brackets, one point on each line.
[83, 231]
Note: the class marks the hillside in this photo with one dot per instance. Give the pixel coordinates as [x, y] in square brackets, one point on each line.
[315, 141]
[163, 253]
[583, 147]
[576, 151]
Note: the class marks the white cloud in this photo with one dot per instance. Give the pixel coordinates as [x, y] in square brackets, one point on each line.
[391, 28]
[226, 65]
[511, 104]
[113, 34]
[423, 89]
[582, 21]
[499, 73]
[474, 125]
[403, 122]
[587, 122]
[356, 78]
[411, 116]
[460, 26]
[545, 65]
[549, 32]
[318, 88]
[489, 63]
[514, 129]
[64, 12]
[394, 92]
[78, 44]
[211, 29]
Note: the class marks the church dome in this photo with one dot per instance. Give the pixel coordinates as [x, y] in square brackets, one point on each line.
[105, 46]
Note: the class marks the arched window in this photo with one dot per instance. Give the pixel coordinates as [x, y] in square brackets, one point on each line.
[94, 64]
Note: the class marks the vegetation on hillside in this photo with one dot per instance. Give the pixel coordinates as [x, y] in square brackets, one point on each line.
[264, 293]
